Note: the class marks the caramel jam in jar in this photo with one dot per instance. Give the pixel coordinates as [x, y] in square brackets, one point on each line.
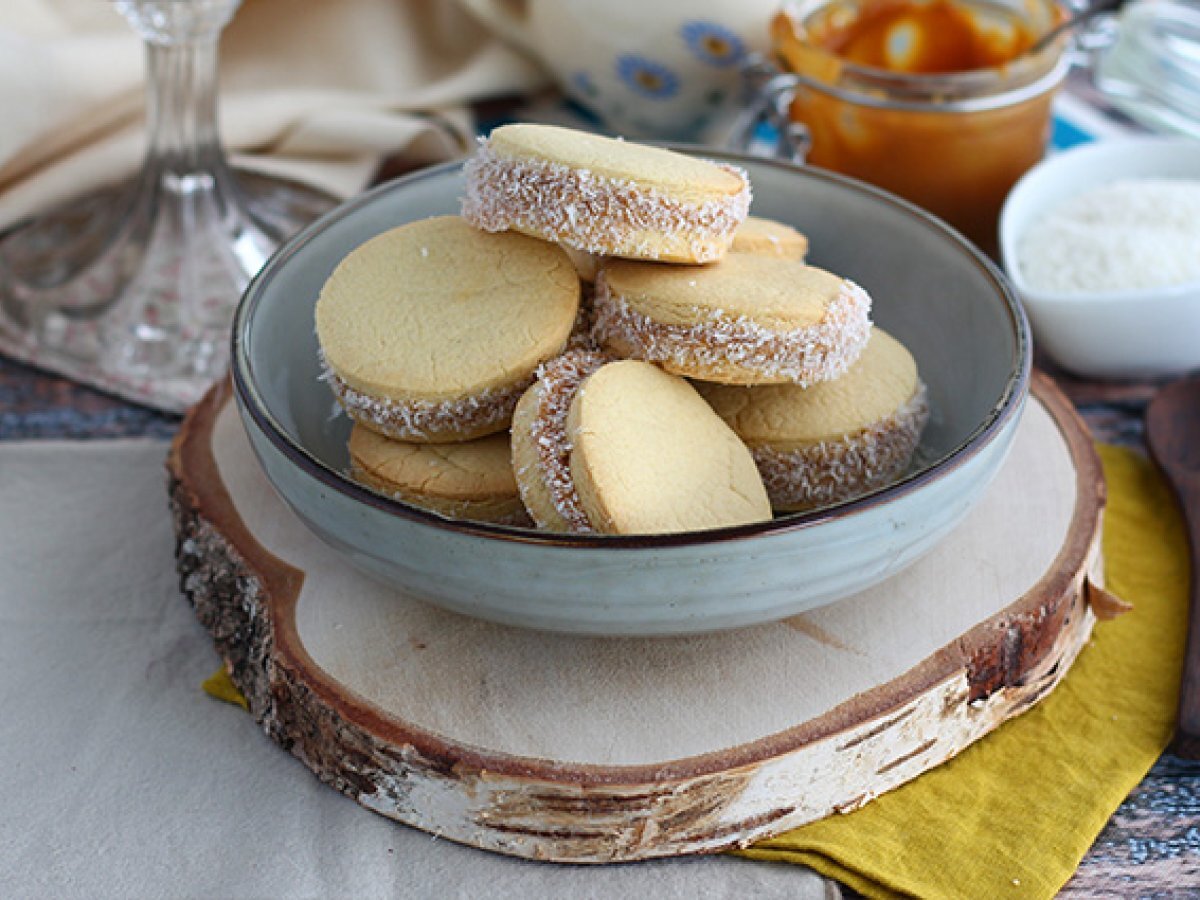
[935, 100]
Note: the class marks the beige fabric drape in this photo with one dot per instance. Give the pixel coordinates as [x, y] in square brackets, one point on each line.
[121, 780]
[315, 89]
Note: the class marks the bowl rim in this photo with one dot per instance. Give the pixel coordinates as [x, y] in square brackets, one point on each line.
[1002, 412]
[1111, 148]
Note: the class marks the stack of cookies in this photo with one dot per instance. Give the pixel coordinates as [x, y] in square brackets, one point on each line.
[605, 342]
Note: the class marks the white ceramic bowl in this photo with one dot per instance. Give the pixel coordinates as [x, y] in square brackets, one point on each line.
[932, 290]
[1117, 334]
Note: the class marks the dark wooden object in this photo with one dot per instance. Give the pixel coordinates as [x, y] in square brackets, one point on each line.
[1173, 433]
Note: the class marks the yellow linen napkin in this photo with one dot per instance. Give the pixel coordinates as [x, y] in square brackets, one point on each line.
[221, 687]
[1013, 814]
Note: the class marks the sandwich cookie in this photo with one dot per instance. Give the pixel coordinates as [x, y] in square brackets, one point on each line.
[431, 332]
[836, 440]
[604, 196]
[541, 449]
[766, 237]
[469, 480]
[747, 320]
[637, 452]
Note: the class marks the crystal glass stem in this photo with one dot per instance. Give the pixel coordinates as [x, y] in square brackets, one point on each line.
[133, 286]
[203, 244]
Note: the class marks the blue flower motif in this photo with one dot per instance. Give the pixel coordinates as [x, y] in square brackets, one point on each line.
[714, 44]
[648, 78]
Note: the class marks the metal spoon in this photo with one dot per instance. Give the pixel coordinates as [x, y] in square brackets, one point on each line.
[1173, 433]
[1072, 22]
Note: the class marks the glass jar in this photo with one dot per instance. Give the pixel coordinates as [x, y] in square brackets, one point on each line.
[1152, 71]
[952, 142]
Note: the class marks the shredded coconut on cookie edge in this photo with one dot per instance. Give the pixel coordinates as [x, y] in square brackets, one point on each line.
[837, 470]
[419, 420]
[558, 382]
[803, 356]
[595, 213]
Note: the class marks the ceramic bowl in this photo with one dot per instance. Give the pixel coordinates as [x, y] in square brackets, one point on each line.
[932, 290]
[1153, 332]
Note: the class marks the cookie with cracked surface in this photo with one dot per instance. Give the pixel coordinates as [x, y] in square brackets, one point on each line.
[747, 320]
[604, 196]
[468, 480]
[431, 332]
[836, 440]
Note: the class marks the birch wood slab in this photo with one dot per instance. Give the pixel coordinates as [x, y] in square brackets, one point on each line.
[598, 750]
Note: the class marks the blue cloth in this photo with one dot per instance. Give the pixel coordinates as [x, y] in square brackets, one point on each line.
[1067, 134]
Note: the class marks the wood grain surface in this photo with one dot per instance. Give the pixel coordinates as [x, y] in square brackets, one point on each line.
[605, 763]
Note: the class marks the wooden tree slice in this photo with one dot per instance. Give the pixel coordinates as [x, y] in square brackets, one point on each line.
[596, 750]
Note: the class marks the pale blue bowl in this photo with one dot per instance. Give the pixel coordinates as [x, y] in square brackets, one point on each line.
[932, 290]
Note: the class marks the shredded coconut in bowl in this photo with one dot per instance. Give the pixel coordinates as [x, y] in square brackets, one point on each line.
[1128, 235]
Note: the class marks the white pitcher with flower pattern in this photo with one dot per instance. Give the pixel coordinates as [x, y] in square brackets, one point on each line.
[647, 68]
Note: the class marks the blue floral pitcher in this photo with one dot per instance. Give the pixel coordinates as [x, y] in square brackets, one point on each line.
[668, 69]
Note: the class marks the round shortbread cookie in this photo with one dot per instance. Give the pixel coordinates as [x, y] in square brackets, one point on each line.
[470, 480]
[604, 196]
[540, 448]
[836, 440]
[649, 456]
[747, 320]
[766, 237]
[431, 332]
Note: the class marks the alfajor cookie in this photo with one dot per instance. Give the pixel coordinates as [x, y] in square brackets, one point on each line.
[836, 440]
[431, 332]
[604, 196]
[625, 448]
[541, 449]
[747, 320]
[469, 480]
[766, 237]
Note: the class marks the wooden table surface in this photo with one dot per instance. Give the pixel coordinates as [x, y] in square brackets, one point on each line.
[1150, 848]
